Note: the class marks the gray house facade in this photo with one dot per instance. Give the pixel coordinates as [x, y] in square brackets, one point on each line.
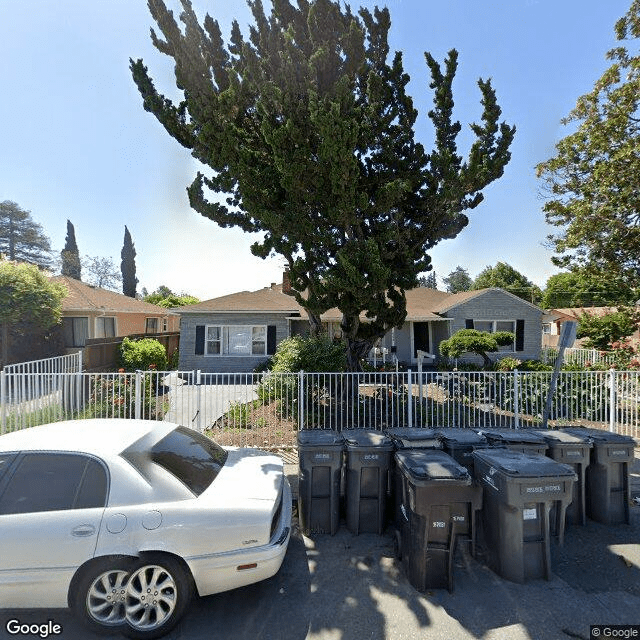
[238, 332]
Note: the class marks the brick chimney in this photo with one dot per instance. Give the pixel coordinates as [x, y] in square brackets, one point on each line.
[286, 283]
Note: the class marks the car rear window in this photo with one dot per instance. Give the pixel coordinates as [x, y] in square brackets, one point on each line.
[192, 458]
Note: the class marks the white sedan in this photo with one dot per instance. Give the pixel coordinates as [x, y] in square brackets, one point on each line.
[125, 520]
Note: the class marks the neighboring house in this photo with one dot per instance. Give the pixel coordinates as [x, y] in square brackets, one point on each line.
[91, 312]
[237, 332]
[553, 319]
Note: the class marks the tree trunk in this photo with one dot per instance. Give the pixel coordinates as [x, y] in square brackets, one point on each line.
[357, 351]
[315, 325]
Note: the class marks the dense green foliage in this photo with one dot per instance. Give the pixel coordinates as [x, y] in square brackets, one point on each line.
[21, 238]
[316, 353]
[458, 280]
[602, 331]
[143, 355]
[128, 265]
[308, 130]
[164, 297]
[70, 255]
[506, 277]
[473, 341]
[26, 294]
[592, 180]
[582, 288]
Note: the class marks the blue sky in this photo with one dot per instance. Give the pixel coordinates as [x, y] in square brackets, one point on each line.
[76, 143]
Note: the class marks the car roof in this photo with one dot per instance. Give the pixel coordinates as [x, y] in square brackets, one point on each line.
[97, 436]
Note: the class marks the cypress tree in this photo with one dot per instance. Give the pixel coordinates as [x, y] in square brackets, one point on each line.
[128, 265]
[70, 255]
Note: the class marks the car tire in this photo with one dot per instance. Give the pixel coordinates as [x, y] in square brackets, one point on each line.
[99, 595]
[158, 593]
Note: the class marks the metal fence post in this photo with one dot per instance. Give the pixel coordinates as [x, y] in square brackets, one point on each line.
[199, 400]
[613, 409]
[409, 400]
[516, 398]
[138, 395]
[300, 400]
[3, 401]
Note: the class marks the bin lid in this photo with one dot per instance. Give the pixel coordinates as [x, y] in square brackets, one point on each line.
[451, 435]
[512, 436]
[413, 437]
[598, 436]
[516, 464]
[319, 437]
[555, 437]
[422, 465]
[365, 438]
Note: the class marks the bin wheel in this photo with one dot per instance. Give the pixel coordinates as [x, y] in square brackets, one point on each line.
[397, 545]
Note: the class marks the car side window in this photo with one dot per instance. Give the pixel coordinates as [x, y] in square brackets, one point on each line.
[54, 482]
[5, 461]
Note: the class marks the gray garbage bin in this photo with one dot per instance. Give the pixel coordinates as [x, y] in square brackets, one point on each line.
[368, 459]
[524, 440]
[320, 455]
[573, 450]
[438, 505]
[519, 491]
[607, 476]
[460, 444]
[413, 438]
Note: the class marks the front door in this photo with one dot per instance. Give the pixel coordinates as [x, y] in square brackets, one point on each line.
[421, 338]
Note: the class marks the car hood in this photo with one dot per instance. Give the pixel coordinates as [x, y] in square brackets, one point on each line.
[248, 474]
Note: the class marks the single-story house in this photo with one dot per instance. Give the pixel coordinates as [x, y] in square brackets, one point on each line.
[237, 332]
[92, 312]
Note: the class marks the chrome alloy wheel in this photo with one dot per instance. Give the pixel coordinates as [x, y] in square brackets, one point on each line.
[106, 597]
[151, 595]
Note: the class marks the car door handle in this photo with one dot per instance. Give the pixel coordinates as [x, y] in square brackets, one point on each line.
[83, 530]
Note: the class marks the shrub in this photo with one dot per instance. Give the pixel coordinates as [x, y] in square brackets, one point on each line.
[316, 354]
[143, 354]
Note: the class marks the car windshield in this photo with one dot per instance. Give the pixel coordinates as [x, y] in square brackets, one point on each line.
[192, 458]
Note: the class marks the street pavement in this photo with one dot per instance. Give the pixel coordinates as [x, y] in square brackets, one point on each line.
[348, 587]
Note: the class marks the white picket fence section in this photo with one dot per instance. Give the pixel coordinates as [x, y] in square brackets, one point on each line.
[266, 410]
[582, 357]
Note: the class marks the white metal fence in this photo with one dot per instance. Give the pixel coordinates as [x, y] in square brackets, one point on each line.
[266, 410]
[582, 357]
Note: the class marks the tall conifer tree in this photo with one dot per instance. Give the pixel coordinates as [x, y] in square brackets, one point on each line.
[128, 265]
[70, 255]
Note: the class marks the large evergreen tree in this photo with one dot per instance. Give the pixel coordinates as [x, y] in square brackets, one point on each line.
[71, 265]
[503, 275]
[128, 265]
[309, 132]
[458, 280]
[592, 181]
[582, 288]
[21, 238]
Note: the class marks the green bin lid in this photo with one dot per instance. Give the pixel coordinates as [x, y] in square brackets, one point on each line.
[519, 436]
[430, 464]
[557, 437]
[451, 435]
[410, 437]
[319, 437]
[365, 438]
[598, 436]
[516, 464]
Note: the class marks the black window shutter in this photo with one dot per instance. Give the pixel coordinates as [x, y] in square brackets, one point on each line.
[468, 324]
[200, 340]
[271, 339]
[519, 335]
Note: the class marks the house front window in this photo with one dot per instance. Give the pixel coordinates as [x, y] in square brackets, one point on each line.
[236, 340]
[151, 325]
[76, 331]
[493, 326]
[105, 327]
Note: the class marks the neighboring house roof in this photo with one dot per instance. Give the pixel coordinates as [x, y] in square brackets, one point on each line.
[86, 297]
[422, 303]
[575, 313]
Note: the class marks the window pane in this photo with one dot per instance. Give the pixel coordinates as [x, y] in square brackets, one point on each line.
[151, 325]
[239, 341]
[503, 325]
[44, 482]
[213, 333]
[191, 457]
[93, 491]
[259, 344]
[213, 347]
[483, 325]
[5, 461]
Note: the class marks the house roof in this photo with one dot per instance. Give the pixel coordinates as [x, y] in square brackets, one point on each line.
[269, 299]
[577, 312]
[422, 303]
[86, 297]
